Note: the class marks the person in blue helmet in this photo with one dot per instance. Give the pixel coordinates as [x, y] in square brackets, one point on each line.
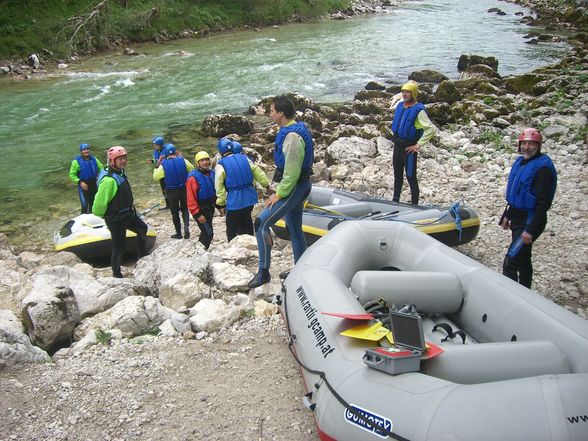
[83, 172]
[530, 191]
[174, 170]
[235, 178]
[293, 157]
[158, 144]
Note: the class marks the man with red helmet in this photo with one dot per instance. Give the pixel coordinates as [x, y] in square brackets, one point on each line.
[529, 193]
[114, 203]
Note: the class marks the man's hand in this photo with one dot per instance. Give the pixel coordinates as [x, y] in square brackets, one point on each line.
[222, 211]
[84, 186]
[272, 200]
[201, 219]
[505, 223]
[412, 149]
[527, 238]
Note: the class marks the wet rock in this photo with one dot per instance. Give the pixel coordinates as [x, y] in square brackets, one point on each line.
[480, 71]
[224, 124]
[466, 61]
[427, 76]
[523, 83]
[447, 92]
[374, 85]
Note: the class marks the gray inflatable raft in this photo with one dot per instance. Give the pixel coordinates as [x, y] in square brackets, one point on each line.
[518, 370]
[327, 207]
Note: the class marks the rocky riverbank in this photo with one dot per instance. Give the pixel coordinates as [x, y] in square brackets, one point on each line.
[179, 349]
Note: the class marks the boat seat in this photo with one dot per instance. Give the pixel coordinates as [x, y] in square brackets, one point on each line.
[488, 362]
[431, 292]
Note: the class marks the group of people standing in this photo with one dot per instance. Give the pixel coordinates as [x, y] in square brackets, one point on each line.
[231, 187]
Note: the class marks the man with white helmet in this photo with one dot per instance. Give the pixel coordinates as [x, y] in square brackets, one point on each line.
[83, 172]
[530, 190]
[201, 196]
[412, 129]
[114, 203]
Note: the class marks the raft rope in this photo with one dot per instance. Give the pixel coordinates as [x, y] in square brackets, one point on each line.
[455, 211]
[323, 377]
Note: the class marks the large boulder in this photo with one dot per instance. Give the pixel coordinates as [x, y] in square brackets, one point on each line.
[351, 148]
[524, 83]
[447, 92]
[224, 124]
[467, 60]
[12, 278]
[15, 345]
[229, 277]
[92, 296]
[427, 76]
[212, 315]
[439, 113]
[134, 315]
[50, 315]
[182, 291]
[170, 259]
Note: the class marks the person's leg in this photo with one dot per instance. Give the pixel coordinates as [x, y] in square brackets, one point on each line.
[118, 234]
[231, 219]
[294, 219]
[511, 264]
[83, 200]
[525, 265]
[162, 185]
[411, 177]
[138, 226]
[174, 208]
[92, 190]
[247, 222]
[185, 213]
[398, 157]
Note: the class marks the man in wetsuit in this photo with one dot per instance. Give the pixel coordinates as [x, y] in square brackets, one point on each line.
[83, 172]
[412, 129]
[529, 193]
[114, 203]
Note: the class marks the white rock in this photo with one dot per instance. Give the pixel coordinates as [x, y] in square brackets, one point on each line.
[229, 277]
[213, 315]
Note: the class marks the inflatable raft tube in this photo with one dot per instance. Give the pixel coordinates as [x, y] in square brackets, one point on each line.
[88, 237]
[522, 373]
[327, 207]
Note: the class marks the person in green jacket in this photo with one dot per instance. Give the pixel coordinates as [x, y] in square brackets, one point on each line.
[114, 203]
[83, 172]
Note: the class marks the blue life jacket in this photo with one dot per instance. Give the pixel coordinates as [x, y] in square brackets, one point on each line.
[279, 157]
[519, 190]
[238, 182]
[403, 123]
[206, 189]
[176, 172]
[156, 154]
[88, 168]
[123, 199]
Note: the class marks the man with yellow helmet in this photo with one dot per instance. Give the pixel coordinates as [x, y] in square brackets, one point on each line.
[412, 129]
[202, 196]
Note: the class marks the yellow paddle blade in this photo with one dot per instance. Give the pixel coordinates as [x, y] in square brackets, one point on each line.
[367, 331]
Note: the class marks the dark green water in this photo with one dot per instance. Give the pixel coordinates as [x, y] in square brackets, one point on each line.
[113, 99]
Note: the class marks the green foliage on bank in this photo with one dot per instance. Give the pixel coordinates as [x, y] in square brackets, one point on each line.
[68, 27]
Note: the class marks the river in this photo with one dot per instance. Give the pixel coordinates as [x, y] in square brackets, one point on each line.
[113, 99]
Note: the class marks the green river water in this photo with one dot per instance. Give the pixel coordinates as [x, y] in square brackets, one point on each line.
[112, 99]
